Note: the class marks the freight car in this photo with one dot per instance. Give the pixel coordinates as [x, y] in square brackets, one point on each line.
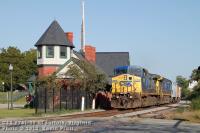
[134, 86]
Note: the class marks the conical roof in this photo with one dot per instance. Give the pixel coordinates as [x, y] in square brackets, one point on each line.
[54, 35]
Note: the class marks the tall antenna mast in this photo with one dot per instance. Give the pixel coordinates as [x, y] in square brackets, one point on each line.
[83, 27]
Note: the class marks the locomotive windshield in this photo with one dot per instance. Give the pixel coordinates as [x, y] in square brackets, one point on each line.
[121, 70]
[136, 70]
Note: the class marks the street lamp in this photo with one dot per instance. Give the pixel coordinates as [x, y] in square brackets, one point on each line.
[11, 86]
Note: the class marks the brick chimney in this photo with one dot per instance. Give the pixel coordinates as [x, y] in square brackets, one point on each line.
[90, 53]
[70, 37]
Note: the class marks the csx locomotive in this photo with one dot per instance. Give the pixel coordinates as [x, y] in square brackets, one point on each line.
[134, 86]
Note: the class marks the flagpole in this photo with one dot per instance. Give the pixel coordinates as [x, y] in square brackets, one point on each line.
[83, 27]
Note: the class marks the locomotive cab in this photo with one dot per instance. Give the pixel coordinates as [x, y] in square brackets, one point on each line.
[126, 86]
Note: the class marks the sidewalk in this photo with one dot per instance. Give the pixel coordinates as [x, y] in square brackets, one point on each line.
[5, 106]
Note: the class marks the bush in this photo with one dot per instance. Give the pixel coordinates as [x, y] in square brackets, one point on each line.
[195, 103]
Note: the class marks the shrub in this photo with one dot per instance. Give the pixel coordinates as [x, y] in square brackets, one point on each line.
[180, 110]
[195, 103]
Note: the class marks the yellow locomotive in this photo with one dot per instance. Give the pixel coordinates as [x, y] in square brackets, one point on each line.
[134, 86]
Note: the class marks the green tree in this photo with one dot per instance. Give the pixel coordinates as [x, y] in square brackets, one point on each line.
[24, 65]
[29, 62]
[90, 77]
[183, 83]
[195, 94]
[195, 76]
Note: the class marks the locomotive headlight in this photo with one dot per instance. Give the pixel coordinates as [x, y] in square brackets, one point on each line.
[117, 96]
[131, 97]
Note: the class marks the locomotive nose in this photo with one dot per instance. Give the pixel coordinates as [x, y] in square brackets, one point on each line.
[124, 102]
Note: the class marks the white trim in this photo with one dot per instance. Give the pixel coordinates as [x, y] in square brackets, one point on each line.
[63, 71]
[73, 55]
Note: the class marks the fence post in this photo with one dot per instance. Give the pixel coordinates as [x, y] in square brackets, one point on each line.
[53, 97]
[36, 100]
[77, 98]
[45, 99]
[72, 97]
[86, 100]
[8, 99]
[82, 103]
[93, 104]
[66, 97]
[79, 95]
[60, 97]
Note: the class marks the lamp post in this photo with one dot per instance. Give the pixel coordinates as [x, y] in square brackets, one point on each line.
[11, 86]
[3, 86]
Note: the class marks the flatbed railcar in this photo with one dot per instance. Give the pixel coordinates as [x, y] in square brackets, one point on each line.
[134, 86]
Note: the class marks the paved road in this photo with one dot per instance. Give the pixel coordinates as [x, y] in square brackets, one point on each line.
[131, 125]
[103, 125]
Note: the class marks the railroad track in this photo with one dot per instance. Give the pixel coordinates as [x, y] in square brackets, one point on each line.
[92, 114]
[149, 110]
[108, 113]
[116, 113]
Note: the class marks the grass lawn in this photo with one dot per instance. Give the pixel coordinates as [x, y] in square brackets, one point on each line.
[5, 113]
[58, 112]
[185, 114]
[21, 113]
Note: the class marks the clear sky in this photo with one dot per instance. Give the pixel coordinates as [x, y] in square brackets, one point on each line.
[160, 35]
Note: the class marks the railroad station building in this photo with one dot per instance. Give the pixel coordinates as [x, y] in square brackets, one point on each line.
[55, 52]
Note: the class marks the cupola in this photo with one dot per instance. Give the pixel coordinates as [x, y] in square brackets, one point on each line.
[54, 48]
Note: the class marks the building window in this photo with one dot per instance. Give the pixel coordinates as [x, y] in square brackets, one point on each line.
[39, 52]
[50, 51]
[63, 52]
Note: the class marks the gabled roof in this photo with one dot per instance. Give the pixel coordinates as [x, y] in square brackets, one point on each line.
[72, 59]
[79, 55]
[107, 61]
[54, 35]
[77, 62]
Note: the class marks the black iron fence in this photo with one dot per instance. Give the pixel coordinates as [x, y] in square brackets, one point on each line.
[52, 99]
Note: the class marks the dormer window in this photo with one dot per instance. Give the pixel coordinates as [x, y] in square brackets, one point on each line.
[63, 52]
[39, 52]
[50, 51]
